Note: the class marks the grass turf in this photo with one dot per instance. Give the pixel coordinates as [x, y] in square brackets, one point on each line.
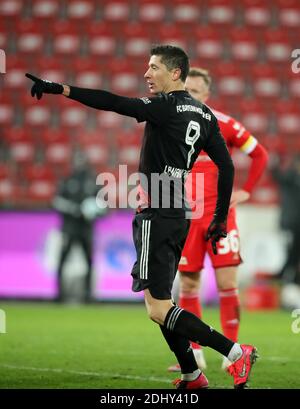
[117, 346]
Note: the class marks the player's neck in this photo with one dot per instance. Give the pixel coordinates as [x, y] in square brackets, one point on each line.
[175, 87]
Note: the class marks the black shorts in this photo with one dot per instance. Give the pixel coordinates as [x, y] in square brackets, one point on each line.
[158, 242]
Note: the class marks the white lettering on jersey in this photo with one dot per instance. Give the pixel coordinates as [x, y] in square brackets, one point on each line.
[192, 108]
[175, 172]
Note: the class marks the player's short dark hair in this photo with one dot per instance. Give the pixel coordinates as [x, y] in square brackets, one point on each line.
[201, 72]
[173, 57]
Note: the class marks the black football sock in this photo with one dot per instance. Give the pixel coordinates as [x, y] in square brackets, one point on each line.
[182, 350]
[191, 327]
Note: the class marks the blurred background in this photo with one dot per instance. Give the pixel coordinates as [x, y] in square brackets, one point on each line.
[247, 47]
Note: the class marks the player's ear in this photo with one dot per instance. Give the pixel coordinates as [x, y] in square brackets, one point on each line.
[176, 74]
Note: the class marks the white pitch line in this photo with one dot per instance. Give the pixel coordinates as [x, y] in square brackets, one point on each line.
[85, 373]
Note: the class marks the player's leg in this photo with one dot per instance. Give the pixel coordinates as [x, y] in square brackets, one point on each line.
[189, 284]
[226, 278]
[226, 264]
[155, 237]
[159, 242]
[190, 264]
[191, 376]
[188, 326]
[190, 300]
[67, 243]
[86, 244]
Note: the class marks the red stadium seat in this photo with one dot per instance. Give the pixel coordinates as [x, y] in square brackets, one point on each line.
[256, 14]
[266, 84]
[151, 13]
[51, 68]
[254, 117]
[30, 40]
[5, 171]
[4, 39]
[22, 152]
[229, 79]
[73, 115]
[7, 180]
[7, 111]
[88, 79]
[287, 117]
[11, 11]
[273, 143]
[128, 146]
[51, 136]
[86, 73]
[58, 154]
[82, 11]
[37, 113]
[265, 192]
[221, 13]
[243, 44]
[7, 191]
[209, 44]
[172, 34]
[102, 40]
[115, 11]
[277, 47]
[40, 192]
[15, 79]
[293, 84]
[109, 120]
[45, 10]
[123, 78]
[35, 172]
[21, 145]
[57, 150]
[186, 13]
[136, 41]
[67, 40]
[96, 147]
[288, 13]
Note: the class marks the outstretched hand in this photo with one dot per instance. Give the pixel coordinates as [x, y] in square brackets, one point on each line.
[216, 231]
[41, 87]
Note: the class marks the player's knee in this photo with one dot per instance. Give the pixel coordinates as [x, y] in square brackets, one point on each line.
[226, 284]
[189, 285]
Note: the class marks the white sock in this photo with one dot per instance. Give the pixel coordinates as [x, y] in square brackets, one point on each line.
[235, 353]
[190, 376]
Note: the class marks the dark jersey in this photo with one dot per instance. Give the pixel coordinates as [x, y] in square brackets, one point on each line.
[177, 128]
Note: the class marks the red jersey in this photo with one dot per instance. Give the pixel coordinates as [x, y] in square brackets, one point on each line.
[235, 135]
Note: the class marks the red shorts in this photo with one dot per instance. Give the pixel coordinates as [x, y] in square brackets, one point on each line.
[195, 248]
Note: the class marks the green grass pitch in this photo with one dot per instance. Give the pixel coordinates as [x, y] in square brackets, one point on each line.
[117, 346]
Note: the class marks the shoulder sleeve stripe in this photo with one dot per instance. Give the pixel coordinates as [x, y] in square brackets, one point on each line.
[249, 145]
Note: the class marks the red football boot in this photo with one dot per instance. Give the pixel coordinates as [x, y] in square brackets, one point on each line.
[200, 383]
[240, 369]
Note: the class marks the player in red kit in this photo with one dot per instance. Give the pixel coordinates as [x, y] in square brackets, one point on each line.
[227, 259]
